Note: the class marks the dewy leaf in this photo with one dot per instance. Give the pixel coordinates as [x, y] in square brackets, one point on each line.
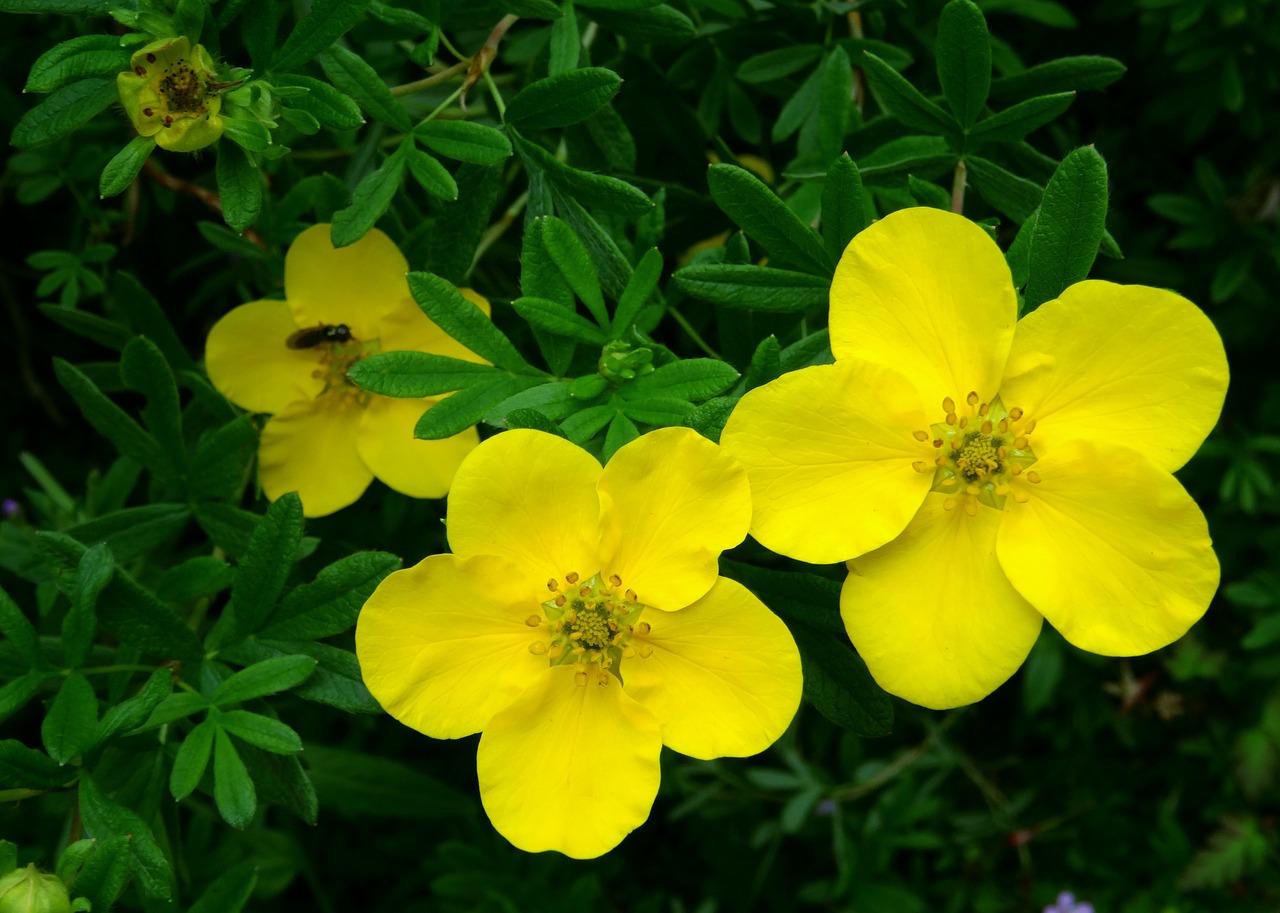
[79, 58]
[81, 622]
[350, 74]
[465, 322]
[322, 101]
[902, 100]
[371, 198]
[844, 212]
[329, 20]
[104, 818]
[1069, 228]
[964, 59]
[764, 217]
[1016, 122]
[64, 111]
[124, 166]
[192, 759]
[330, 604]
[418, 374]
[563, 99]
[265, 565]
[742, 285]
[233, 791]
[266, 677]
[69, 725]
[239, 186]
[464, 141]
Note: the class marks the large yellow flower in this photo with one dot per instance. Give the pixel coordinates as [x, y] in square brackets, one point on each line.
[580, 623]
[982, 479]
[168, 94]
[326, 438]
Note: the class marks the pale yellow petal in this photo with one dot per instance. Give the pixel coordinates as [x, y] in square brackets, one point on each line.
[310, 447]
[411, 329]
[671, 502]
[830, 451]
[932, 614]
[1129, 364]
[569, 767]
[249, 362]
[418, 468]
[529, 497]
[443, 645]
[187, 134]
[359, 286]
[1110, 549]
[723, 677]
[928, 293]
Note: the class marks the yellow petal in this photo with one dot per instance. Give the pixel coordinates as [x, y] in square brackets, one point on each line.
[932, 614]
[358, 286]
[187, 134]
[417, 468]
[411, 329]
[443, 645]
[929, 293]
[310, 447]
[529, 497]
[250, 364]
[723, 678]
[1111, 549]
[671, 502]
[829, 452]
[1139, 366]
[569, 767]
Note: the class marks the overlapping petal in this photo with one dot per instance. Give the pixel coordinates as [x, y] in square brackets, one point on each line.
[418, 468]
[1111, 549]
[249, 363]
[1127, 363]
[932, 613]
[829, 452]
[928, 293]
[569, 767]
[443, 646]
[724, 676]
[310, 447]
[528, 497]
[671, 501]
[361, 285]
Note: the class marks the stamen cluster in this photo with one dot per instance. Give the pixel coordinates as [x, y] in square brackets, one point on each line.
[592, 622]
[980, 454]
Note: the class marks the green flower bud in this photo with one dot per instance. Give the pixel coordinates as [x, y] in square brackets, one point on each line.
[28, 891]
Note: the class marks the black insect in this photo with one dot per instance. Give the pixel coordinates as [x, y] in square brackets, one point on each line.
[311, 337]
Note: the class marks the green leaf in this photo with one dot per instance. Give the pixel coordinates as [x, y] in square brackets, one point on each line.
[79, 58]
[465, 408]
[464, 141]
[16, 694]
[351, 75]
[265, 565]
[69, 725]
[105, 871]
[336, 680]
[657, 410]
[835, 102]
[144, 369]
[901, 100]
[747, 286]
[239, 186]
[266, 677]
[1016, 122]
[755, 208]
[622, 431]
[639, 291]
[110, 420]
[80, 625]
[1066, 74]
[222, 459]
[20, 633]
[264, 732]
[418, 374]
[359, 786]
[174, 707]
[1016, 197]
[766, 363]
[564, 99]
[144, 315]
[574, 263]
[778, 64]
[1070, 226]
[532, 9]
[124, 166]
[465, 322]
[844, 211]
[558, 319]
[427, 171]
[922, 155]
[612, 267]
[371, 198]
[661, 24]
[566, 42]
[329, 20]
[688, 379]
[83, 323]
[134, 711]
[230, 891]
[64, 111]
[57, 7]
[25, 768]
[233, 791]
[132, 532]
[104, 818]
[598, 190]
[192, 759]
[330, 604]
[964, 59]
[322, 101]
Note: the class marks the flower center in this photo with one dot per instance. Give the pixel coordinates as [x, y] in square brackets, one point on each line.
[182, 89]
[338, 350]
[980, 453]
[591, 623]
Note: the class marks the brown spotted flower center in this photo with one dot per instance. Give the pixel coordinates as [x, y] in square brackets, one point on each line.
[183, 89]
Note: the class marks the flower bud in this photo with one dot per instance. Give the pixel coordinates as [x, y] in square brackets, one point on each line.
[28, 891]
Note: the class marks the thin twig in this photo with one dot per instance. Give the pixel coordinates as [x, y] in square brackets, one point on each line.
[434, 80]
[203, 194]
[957, 188]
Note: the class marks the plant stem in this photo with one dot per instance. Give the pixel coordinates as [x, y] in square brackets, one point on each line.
[427, 82]
[957, 188]
[693, 334]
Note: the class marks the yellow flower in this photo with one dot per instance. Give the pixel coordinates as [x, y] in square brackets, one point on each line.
[982, 479]
[326, 438]
[167, 94]
[581, 625]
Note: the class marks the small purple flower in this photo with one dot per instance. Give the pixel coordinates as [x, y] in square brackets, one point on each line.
[1067, 904]
[10, 508]
[825, 809]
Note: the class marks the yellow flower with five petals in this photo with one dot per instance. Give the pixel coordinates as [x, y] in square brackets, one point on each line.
[169, 93]
[326, 438]
[982, 479]
[581, 624]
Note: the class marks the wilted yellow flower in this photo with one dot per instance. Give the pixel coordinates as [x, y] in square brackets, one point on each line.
[168, 94]
[327, 439]
[581, 624]
[981, 479]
